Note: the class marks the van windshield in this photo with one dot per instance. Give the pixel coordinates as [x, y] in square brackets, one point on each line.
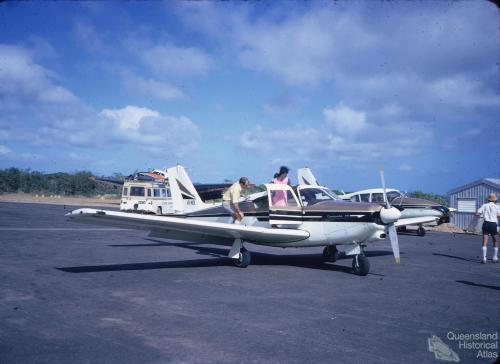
[137, 191]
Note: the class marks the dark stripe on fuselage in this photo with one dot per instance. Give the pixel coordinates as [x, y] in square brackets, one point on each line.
[299, 216]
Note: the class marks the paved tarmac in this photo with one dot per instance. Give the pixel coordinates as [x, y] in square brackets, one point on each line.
[72, 293]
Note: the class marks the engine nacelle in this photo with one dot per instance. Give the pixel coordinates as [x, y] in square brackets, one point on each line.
[389, 215]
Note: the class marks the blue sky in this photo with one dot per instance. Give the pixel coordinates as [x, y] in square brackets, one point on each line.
[239, 88]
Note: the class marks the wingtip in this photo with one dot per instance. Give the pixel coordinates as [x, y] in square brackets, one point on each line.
[397, 260]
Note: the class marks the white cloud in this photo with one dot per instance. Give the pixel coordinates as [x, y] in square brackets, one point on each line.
[345, 120]
[88, 36]
[346, 134]
[152, 131]
[8, 154]
[4, 150]
[467, 93]
[23, 82]
[153, 88]
[469, 139]
[169, 60]
[130, 117]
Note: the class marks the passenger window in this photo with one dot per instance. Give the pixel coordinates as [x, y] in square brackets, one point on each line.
[365, 197]
[163, 193]
[149, 192]
[156, 192]
[137, 191]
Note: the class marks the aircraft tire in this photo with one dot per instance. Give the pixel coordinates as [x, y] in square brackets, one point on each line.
[360, 265]
[421, 231]
[330, 253]
[244, 259]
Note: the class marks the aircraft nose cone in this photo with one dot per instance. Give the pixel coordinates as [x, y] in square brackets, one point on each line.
[389, 215]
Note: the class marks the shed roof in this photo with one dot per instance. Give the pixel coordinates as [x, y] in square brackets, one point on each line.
[492, 182]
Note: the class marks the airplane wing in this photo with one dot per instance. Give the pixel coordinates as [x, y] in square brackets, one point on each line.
[416, 220]
[188, 229]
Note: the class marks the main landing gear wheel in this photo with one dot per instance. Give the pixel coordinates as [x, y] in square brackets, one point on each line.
[330, 253]
[243, 259]
[421, 231]
[360, 265]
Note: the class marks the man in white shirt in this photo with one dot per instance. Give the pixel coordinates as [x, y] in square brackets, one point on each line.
[231, 197]
[491, 212]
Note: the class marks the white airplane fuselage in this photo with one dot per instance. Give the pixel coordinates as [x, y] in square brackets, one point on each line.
[320, 233]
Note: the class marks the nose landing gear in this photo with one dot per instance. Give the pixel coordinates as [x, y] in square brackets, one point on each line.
[360, 265]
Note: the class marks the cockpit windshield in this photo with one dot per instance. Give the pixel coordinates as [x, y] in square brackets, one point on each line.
[393, 194]
[311, 196]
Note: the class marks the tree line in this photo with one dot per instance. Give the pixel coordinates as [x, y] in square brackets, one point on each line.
[83, 183]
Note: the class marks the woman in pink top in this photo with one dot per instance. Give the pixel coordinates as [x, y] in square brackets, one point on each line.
[280, 198]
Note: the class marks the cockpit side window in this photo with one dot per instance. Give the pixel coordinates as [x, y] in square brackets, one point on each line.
[377, 197]
[365, 197]
[311, 196]
[261, 202]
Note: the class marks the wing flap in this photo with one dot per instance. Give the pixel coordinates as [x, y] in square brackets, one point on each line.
[191, 226]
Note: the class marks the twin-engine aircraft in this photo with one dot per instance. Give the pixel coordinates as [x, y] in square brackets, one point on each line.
[308, 216]
[414, 211]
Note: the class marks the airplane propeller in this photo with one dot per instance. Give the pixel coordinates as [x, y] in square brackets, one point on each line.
[389, 216]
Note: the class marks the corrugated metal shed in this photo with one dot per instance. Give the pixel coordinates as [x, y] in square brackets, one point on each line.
[468, 198]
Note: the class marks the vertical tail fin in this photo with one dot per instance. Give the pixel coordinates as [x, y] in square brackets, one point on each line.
[306, 177]
[184, 196]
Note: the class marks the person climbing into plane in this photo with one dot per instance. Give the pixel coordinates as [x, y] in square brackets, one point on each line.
[280, 198]
[491, 212]
[230, 199]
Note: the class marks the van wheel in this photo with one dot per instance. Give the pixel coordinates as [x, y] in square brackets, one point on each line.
[159, 211]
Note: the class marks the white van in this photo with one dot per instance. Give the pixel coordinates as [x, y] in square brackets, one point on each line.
[146, 197]
[168, 192]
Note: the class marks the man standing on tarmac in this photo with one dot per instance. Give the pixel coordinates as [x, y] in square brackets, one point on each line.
[491, 212]
[231, 197]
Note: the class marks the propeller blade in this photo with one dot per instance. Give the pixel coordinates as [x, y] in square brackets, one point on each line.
[393, 237]
[382, 179]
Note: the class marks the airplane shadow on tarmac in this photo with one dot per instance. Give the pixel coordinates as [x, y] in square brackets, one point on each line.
[312, 261]
[456, 257]
[479, 285]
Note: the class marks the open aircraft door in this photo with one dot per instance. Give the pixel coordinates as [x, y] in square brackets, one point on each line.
[284, 207]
